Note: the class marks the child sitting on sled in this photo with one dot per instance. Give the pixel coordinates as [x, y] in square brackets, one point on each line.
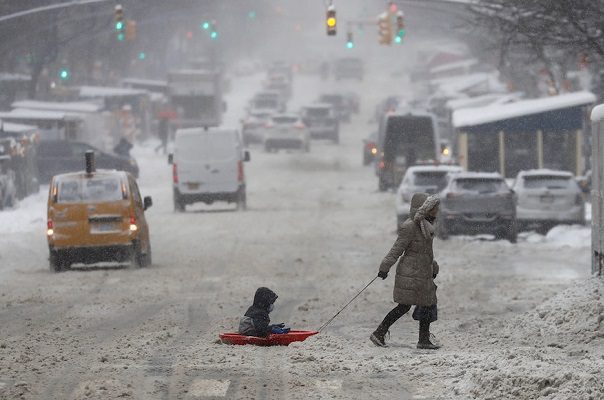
[256, 321]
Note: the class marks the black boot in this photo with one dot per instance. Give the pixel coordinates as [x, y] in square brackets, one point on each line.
[377, 337]
[424, 337]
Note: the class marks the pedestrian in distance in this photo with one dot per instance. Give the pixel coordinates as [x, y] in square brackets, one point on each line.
[163, 131]
[256, 321]
[415, 271]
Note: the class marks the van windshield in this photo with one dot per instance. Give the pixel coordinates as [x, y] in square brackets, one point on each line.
[90, 190]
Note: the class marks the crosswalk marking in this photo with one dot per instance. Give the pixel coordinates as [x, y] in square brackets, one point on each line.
[209, 388]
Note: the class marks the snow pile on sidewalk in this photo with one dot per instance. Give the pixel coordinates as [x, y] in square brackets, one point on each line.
[555, 351]
[575, 236]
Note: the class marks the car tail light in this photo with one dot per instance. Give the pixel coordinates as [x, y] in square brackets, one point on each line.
[451, 195]
[50, 228]
[240, 173]
[579, 200]
[268, 125]
[133, 226]
[174, 173]
[299, 126]
[382, 165]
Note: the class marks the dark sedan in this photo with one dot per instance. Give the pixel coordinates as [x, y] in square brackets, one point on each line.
[61, 156]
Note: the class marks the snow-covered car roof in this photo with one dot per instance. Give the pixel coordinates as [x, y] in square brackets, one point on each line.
[82, 174]
[454, 65]
[478, 175]
[545, 171]
[410, 112]
[430, 168]
[493, 113]
[77, 106]
[597, 114]
[319, 105]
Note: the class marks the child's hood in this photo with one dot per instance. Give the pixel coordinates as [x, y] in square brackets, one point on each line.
[264, 297]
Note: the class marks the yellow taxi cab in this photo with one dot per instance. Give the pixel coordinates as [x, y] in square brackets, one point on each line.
[97, 216]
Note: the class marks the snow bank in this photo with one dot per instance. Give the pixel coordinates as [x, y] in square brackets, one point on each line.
[575, 236]
[555, 351]
[29, 215]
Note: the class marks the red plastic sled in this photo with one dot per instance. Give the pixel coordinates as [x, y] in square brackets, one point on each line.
[283, 339]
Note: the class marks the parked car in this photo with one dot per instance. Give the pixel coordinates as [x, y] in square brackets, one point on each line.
[340, 104]
[477, 202]
[321, 121]
[207, 166]
[547, 198]
[286, 131]
[253, 126]
[429, 179]
[348, 68]
[584, 183]
[97, 216]
[370, 150]
[56, 157]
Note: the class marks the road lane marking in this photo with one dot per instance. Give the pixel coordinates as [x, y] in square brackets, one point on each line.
[209, 388]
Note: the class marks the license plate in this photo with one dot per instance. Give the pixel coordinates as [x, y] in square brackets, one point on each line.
[102, 227]
[193, 186]
[547, 199]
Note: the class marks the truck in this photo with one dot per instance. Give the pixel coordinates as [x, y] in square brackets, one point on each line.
[196, 95]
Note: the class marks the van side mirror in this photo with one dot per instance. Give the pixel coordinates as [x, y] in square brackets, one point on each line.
[170, 158]
[246, 156]
[147, 202]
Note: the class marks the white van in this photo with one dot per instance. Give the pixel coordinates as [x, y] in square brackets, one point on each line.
[207, 166]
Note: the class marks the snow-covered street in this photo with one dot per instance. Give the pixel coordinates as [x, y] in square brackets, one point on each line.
[518, 320]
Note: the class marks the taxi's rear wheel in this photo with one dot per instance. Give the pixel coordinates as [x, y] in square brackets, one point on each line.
[136, 257]
[56, 262]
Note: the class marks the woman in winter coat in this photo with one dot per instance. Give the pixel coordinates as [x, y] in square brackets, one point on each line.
[415, 272]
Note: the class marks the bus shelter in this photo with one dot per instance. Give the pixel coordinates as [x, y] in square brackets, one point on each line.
[526, 134]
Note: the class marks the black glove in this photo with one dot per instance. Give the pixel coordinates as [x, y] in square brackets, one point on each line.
[279, 325]
[434, 276]
[383, 274]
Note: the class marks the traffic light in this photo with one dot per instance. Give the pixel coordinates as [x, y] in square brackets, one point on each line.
[118, 22]
[213, 31]
[349, 41]
[205, 25]
[330, 21]
[64, 74]
[400, 27]
[130, 30]
[385, 29]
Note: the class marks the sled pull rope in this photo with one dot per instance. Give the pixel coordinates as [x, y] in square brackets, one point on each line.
[347, 304]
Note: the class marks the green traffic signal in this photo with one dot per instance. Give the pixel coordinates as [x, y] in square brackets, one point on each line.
[349, 45]
[398, 39]
[251, 14]
[119, 25]
[64, 74]
[121, 37]
[205, 26]
[214, 35]
[142, 55]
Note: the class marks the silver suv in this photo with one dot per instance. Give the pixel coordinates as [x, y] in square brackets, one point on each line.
[478, 202]
[547, 198]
